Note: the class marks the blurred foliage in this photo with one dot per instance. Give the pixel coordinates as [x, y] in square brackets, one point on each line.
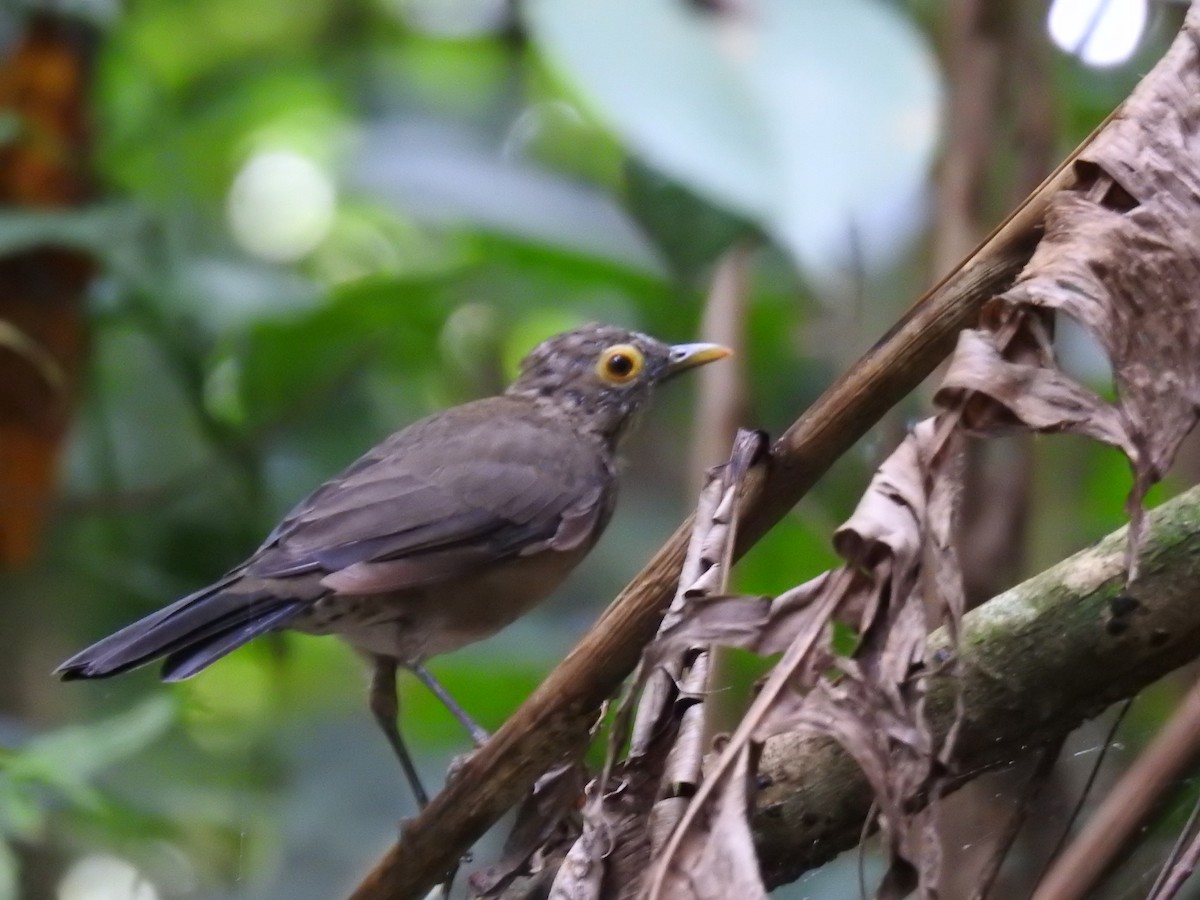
[487, 185]
[60, 769]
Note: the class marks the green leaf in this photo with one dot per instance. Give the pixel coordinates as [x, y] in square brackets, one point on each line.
[22, 812]
[70, 758]
[763, 112]
[845, 639]
[671, 91]
[445, 177]
[283, 363]
[690, 232]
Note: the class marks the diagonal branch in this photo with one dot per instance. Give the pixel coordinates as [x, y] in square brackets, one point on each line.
[554, 720]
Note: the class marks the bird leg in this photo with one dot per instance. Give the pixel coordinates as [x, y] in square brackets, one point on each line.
[478, 734]
[386, 707]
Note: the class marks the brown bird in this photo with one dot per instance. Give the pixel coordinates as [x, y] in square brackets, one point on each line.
[441, 535]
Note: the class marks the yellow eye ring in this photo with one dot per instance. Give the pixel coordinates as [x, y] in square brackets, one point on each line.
[620, 364]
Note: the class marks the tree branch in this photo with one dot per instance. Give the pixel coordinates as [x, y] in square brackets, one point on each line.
[1036, 661]
[554, 721]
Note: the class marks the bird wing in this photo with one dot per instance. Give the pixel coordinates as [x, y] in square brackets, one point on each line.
[461, 489]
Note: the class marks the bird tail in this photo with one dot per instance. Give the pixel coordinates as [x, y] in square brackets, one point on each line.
[190, 634]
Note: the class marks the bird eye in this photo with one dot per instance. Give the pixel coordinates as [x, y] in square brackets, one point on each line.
[620, 364]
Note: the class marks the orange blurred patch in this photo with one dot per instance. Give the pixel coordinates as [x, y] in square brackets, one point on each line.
[43, 87]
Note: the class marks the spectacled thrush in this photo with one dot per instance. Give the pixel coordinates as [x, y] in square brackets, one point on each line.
[441, 535]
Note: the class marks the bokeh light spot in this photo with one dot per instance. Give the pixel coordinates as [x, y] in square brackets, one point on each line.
[1100, 32]
[100, 876]
[281, 205]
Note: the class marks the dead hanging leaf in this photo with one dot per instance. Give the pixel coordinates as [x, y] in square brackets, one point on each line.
[541, 833]
[903, 530]
[716, 860]
[705, 572]
[582, 871]
[610, 853]
[997, 395]
[681, 773]
[1121, 255]
[900, 579]
[762, 625]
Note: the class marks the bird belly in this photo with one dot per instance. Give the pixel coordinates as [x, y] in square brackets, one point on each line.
[414, 624]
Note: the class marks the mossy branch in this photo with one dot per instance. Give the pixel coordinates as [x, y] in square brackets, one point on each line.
[1036, 661]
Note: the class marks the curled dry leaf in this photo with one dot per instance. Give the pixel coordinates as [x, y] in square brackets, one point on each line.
[704, 574]
[762, 625]
[900, 541]
[681, 773]
[1120, 255]
[611, 851]
[582, 871]
[716, 859]
[899, 580]
[541, 833]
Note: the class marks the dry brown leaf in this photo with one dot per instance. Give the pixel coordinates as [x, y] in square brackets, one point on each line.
[1023, 395]
[903, 530]
[762, 625]
[704, 573]
[582, 871]
[1120, 255]
[618, 824]
[716, 860]
[541, 831]
[874, 703]
[806, 646]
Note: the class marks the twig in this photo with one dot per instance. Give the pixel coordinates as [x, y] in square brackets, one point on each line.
[1180, 862]
[1185, 839]
[1126, 806]
[1109, 737]
[1180, 872]
[1047, 758]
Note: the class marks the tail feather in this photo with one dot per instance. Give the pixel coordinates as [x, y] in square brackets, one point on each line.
[192, 633]
[187, 661]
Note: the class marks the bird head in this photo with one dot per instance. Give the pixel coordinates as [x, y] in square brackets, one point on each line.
[601, 376]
